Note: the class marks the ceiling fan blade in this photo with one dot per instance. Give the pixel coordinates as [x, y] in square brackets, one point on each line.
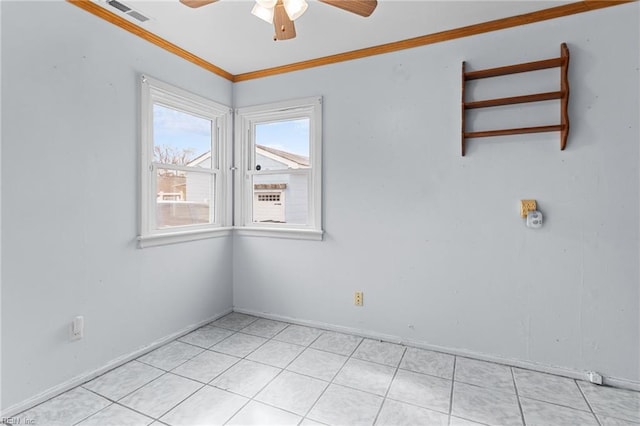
[285, 29]
[359, 7]
[197, 3]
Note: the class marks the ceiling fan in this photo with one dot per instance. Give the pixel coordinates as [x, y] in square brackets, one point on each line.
[282, 13]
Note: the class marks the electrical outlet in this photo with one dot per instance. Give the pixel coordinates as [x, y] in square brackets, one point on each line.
[357, 298]
[527, 206]
[77, 328]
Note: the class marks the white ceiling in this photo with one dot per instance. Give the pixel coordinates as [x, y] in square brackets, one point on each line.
[228, 36]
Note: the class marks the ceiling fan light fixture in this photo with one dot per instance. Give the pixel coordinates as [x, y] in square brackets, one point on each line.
[295, 8]
[264, 13]
[269, 4]
[282, 13]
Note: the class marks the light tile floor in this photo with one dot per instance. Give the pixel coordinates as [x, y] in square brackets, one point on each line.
[244, 370]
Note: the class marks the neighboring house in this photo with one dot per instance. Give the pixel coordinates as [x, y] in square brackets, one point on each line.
[282, 197]
[198, 185]
[276, 197]
[171, 186]
[183, 198]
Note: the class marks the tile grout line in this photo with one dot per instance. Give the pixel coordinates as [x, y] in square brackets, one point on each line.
[157, 378]
[113, 401]
[395, 373]
[136, 411]
[274, 378]
[164, 373]
[413, 404]
[183, 362]
[117, 401]
[588, 403]
[264, 343]
[206, 347]
[255, 318]
[297, 356]
[515, 385]
[56, 396]
[250, 352]
[537, 399]
[186, 378]
[309, 346]
[223, 371]
[92, 414]
[331, 381]
[125, 407]
[209, 382]
[348, 357]
[249, 399]
[387, 365]
[238, 410]
[113, 369]
[453, 381]
[181, 401]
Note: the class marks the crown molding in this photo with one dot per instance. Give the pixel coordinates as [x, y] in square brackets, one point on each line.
[121, 22]
[485, 27]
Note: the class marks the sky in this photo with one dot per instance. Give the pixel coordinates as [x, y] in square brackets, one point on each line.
[180, 130]
[291, 136]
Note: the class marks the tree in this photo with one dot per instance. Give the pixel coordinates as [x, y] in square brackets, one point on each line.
[171, 155]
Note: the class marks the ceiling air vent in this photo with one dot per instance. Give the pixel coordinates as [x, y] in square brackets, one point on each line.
[127, 10]
[139, 16]
[121, 7]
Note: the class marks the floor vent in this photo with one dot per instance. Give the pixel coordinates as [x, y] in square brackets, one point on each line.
[127, 10]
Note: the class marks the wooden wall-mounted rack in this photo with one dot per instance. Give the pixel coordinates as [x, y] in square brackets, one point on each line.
[563, 95]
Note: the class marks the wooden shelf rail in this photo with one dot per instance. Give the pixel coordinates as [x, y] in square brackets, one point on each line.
[562, 94]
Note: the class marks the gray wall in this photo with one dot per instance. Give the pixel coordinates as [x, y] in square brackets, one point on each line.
[70, 131]
[435, 240]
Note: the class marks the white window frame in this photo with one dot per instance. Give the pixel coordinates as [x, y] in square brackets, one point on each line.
[246, 120]
[157, 92]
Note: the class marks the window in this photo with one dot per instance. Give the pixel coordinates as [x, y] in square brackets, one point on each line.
[278, 192]
[185, 191]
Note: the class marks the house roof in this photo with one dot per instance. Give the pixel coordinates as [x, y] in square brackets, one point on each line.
[198, 160]
[288, 158]
[298, 159]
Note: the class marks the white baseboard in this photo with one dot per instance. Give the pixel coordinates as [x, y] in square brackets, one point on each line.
[559, 371]
[621, 383]
[85, 377]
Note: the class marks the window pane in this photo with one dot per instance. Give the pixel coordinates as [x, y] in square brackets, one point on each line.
[282, 145]
[183, 198]
[282, 198]
[181, 138]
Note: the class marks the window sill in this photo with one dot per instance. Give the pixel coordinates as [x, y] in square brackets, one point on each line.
[181, 237]
[186, 236]
[296, 234]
